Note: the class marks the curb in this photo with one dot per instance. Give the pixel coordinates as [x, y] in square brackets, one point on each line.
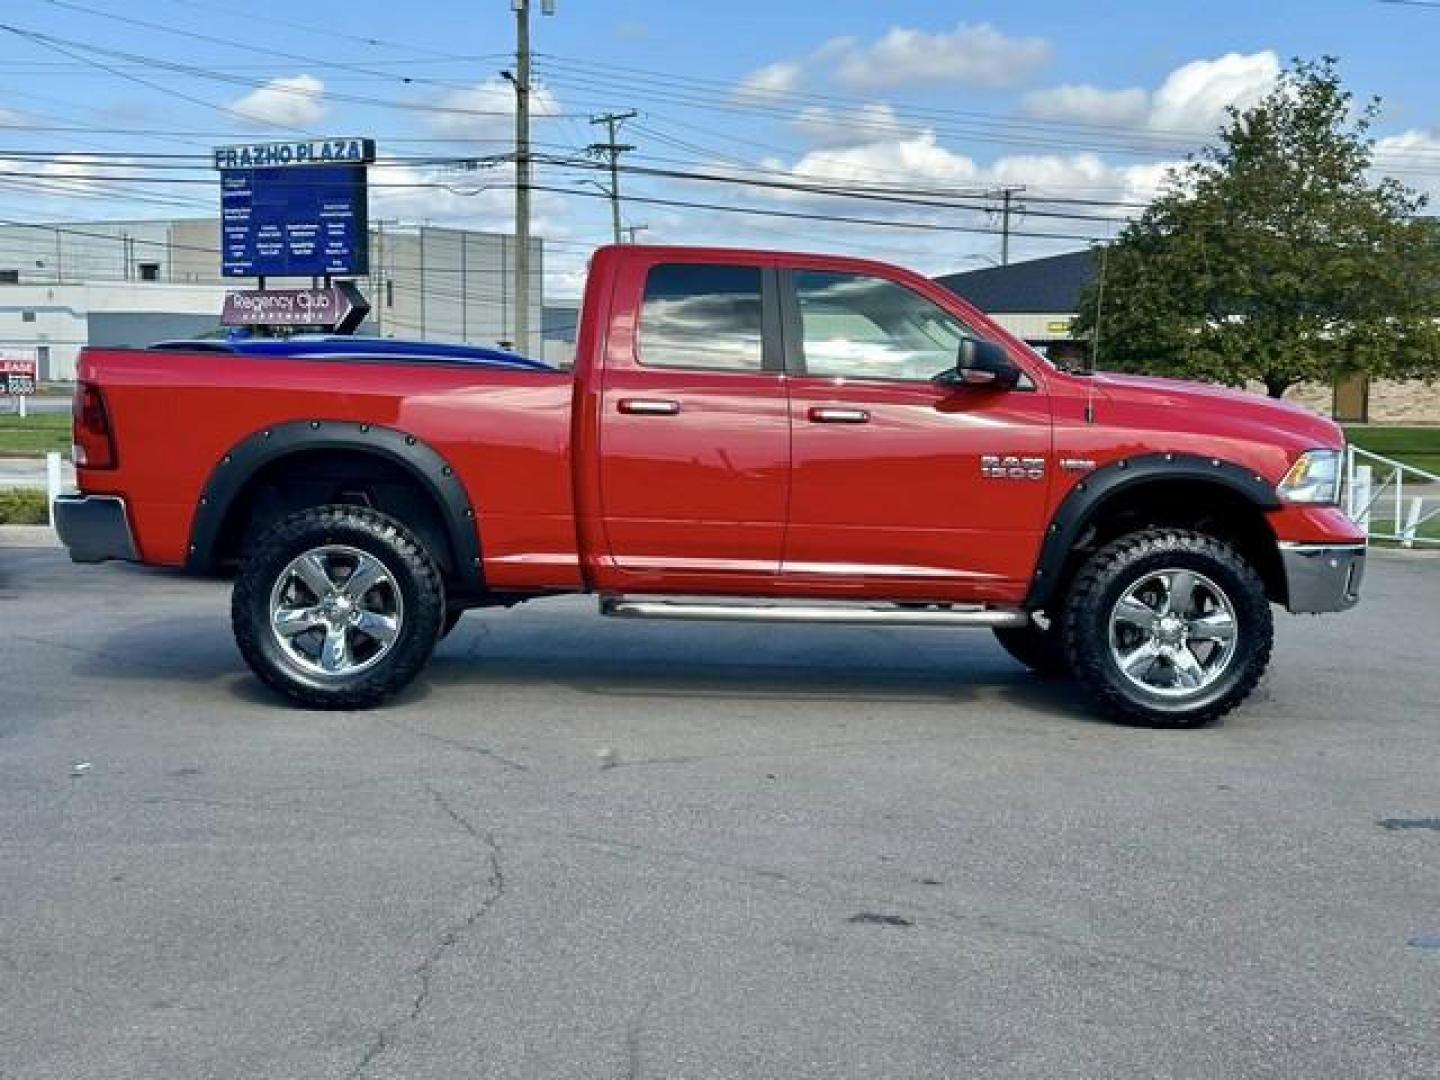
[1402, 553]
[28, 536]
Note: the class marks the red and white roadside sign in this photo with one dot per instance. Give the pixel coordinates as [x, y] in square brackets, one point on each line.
[17, 380]
[17, 377]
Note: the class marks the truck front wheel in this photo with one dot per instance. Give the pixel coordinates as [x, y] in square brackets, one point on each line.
[1168, 628]
[337, 607]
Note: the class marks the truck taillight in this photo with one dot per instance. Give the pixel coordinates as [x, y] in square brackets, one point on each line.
[94, 441]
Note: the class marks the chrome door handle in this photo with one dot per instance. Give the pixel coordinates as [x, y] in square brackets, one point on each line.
[649, 407]
[839, 416]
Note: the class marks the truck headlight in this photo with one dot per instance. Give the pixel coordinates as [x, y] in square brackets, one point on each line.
[1314, 478]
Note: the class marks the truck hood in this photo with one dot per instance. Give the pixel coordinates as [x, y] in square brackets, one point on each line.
[1200, 407]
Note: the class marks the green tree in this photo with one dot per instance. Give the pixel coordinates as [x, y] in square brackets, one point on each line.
[1275, 256]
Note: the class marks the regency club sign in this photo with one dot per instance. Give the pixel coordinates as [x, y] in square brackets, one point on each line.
[339, 307]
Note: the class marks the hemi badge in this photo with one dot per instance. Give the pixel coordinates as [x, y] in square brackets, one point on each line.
[1074, 464]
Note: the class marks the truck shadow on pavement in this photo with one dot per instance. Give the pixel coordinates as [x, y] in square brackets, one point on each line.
[785, 665]
[746, 681]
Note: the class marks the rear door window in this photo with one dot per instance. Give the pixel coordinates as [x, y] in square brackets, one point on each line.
[701, 316]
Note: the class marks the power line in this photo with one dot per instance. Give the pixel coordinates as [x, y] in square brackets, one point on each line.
[54, 43]
[940, 200]
[1001, 133]
[600, 69]
[923, 226]
[329, 33]
[688, 91]
[63, 45]
[231, 42]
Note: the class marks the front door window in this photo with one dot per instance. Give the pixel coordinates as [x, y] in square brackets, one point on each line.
[860, 327]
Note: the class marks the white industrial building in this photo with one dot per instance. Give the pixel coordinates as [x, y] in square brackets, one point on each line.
[67, 285]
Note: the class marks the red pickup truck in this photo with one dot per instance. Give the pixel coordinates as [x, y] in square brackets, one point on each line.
[746, 435]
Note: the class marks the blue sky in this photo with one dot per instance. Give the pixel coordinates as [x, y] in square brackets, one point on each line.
[1074, 102]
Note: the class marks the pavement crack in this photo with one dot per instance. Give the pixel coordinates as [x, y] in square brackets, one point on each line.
[423, 972]
[458, 744]
[1397, 824]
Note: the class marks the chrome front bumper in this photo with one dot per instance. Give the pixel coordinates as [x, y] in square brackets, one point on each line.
[1322, 577]
[95, 528]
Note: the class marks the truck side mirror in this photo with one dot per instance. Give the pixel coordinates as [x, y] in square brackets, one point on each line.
[981, 364]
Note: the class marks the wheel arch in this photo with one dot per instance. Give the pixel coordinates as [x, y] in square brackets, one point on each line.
[1186, 490]
[270, 470]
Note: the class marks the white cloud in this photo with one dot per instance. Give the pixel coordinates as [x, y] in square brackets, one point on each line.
[296, 101]
[1193, 97]
[1190, 102]
[1087, 104]
[970, 55]
[873, 122]
[770, 83]
[913, 159]
[486, 110]
[1410, 157]
[9, 118]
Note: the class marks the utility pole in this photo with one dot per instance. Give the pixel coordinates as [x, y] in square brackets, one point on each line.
[613, 150]
[521, 82]
[1005, 195]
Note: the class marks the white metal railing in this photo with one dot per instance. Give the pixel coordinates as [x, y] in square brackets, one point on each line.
[1389, 499]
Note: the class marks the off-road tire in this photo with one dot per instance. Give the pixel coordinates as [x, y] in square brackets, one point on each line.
[1039, 648]
[1111, 571]
[405, 558]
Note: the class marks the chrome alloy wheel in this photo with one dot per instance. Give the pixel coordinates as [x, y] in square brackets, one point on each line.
[1173, 633]
[336, 611]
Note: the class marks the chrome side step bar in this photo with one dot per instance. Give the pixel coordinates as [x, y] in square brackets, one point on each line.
[706, 610]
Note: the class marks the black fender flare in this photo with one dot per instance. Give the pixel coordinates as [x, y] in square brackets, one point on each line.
[1087, 498]
[240, 465]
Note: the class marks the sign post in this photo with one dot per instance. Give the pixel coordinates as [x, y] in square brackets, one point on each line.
[295, 210]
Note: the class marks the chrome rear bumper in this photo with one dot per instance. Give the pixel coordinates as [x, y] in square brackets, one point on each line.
[1322, 577]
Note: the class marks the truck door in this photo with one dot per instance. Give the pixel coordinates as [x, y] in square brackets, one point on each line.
[900, 485]
[694, 426]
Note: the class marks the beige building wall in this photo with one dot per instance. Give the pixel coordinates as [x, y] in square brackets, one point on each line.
[1392, 401]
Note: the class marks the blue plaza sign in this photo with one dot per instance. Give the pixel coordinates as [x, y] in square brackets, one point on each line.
[295, 209]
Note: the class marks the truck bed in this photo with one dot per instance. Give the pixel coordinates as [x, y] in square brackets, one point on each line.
[504, 425]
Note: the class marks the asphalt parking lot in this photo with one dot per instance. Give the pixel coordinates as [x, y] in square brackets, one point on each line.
[600, 849]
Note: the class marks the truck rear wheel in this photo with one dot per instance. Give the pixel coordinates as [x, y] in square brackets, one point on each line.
[1168, 628]
[337, 607]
